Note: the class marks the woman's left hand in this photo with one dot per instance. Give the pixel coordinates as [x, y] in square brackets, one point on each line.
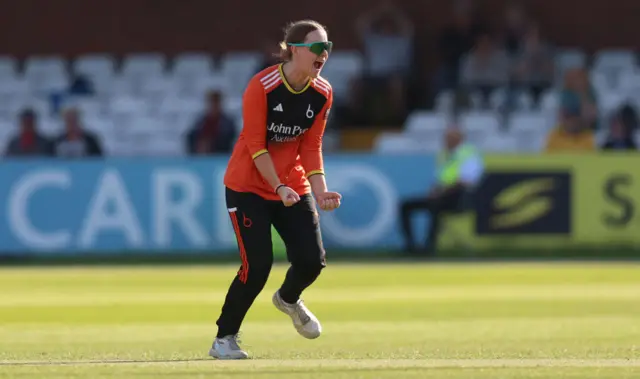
[328, 201]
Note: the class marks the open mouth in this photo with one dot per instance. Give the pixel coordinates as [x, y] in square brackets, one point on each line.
[318, 64]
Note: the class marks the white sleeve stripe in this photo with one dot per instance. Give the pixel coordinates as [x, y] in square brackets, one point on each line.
[323, 86]
[270, 76]
[273, 84]
[323, 81]
[270, 81]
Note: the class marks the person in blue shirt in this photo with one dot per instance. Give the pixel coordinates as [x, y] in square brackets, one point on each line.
[458, 174]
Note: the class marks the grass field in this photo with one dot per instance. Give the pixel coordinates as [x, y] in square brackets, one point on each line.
[457, 321]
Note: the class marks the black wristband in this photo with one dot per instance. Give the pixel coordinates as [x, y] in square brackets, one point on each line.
[278, 187]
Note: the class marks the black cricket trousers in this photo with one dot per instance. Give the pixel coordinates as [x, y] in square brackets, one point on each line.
[299, 227]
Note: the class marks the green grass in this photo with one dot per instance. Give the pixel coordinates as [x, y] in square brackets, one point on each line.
[562, 320]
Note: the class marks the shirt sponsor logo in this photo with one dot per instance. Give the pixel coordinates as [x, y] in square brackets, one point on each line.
[285, 133]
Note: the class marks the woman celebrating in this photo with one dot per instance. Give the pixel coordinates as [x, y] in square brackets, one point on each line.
[275, 167]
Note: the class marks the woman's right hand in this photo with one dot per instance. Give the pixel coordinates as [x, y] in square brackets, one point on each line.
[288, 196]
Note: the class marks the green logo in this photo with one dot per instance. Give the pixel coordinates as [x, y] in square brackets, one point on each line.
[522, 203]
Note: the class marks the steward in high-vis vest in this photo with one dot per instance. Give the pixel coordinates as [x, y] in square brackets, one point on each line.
[459, 171]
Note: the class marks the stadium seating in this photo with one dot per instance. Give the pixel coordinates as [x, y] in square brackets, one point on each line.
[614, 74]
[145, 102]
[340, 70]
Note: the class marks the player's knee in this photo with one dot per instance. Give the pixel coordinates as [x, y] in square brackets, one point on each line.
[312, 265]
[256, 274]
[316, 266]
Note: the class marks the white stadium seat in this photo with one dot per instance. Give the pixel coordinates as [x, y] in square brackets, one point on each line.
[485, 121]
[173, 147]
[528, 121]
[127, 105]
[399, 143]
[630, 84]
[193, 64]
[529, 130]
[499, 143]
[444, 102]
[239, 67]
[610, 59]
[614, 66]
[12, 104]
[45, 74]
[14, 87]
[500, 97]
[8, 67]
[602, 82]
[610, 101]
[8, 130]
[478, 125]
[88, 106]
[49, 65]
[95, 123]
[341, 69]
[198, 86]
[425, 121]
[95, 66]
[157, 87]
[550, 102]
[176, 124]
[143, 64]
[189, 105]
[349, 61]
[48, 84]
[50, 127]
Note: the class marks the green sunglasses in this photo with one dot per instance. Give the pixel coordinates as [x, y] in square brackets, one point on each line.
[316, 47]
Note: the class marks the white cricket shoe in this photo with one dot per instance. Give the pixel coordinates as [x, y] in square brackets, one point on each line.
[227, 348]
[304, 321]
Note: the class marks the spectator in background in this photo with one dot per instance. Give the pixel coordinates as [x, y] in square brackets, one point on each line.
[459, 175]
[621, 131]
[577, 85]
[214, 131]
[534, 65]
[454, 43]
[387, 36]
[573, 134]
[79, 86]
[75, 141]
[28, 142]
[485, 68]
[516, 27]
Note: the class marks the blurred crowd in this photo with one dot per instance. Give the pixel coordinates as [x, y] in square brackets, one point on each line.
[502, 68]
